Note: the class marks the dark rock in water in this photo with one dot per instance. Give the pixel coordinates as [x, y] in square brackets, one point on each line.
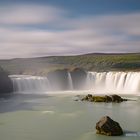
[106, 98]
[6, 85]
[89, 95]
[79, 78]
[76, 100]
[107, 126]
[116, 98]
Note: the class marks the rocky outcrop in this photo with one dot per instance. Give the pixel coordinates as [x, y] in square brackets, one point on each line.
[106, 98]
[79, 78]
[58, 79]
[6, 85]
[116, 98]
[107, 126]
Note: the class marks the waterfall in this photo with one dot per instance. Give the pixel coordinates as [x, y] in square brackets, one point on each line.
[70, 83]
[102, 82]
[114, 82]
[29, 84]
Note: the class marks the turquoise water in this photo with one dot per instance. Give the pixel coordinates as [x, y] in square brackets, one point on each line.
[41, 117]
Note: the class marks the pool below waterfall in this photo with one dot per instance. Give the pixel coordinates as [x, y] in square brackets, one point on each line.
[57, 117]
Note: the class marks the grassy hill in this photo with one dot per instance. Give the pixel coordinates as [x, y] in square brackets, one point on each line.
[91, 62]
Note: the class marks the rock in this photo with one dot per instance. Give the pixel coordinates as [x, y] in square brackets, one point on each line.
[99, 99]
[107, 126]
[89, 95]
[79, 78]
[84, 98]
[6, 85]
[106, 98]
[58, 79]
[116, 98]
[76, 99]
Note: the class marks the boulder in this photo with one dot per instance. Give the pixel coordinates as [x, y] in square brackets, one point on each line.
[88, 97]
[116, 98]
[106, 98]
[107, 126]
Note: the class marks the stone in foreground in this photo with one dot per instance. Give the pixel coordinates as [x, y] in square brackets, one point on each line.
[107, 126]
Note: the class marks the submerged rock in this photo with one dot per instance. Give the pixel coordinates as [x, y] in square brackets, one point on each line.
[106, 98]
[107, 126]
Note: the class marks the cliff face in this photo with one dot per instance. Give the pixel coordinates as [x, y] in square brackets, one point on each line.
[67, 79]
[79, 78]
[58, 79]
[6, 85]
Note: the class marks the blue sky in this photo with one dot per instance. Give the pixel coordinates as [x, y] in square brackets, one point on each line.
[67, 27]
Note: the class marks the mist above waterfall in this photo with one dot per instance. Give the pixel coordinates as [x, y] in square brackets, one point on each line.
[104, 82]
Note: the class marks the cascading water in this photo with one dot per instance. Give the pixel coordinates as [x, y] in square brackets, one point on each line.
[70, 81]
[118, 82]
[29, 84]
[104, 82]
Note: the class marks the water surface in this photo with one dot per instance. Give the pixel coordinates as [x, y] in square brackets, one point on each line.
[59, 117]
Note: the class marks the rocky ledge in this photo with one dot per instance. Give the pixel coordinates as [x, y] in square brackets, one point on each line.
[6, 85]
[107, 126]
[106, 98]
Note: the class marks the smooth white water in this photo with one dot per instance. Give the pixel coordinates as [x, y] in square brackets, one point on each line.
[27, 83]
[118, 82]
[70, 81]
[103, 83]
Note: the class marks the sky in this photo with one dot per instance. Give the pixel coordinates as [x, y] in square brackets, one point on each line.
[36, 28]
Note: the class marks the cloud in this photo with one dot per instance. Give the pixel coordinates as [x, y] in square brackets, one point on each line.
[28, 14]
[62, 35]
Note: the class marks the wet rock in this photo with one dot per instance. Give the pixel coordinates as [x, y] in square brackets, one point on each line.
[79, 78]
[89, 95]
[6, 85]
[106, 98]
[107, 126]
[99, 99]
[116, 98]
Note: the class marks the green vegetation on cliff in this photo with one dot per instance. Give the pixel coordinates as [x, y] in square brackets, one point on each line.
[92, 62]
